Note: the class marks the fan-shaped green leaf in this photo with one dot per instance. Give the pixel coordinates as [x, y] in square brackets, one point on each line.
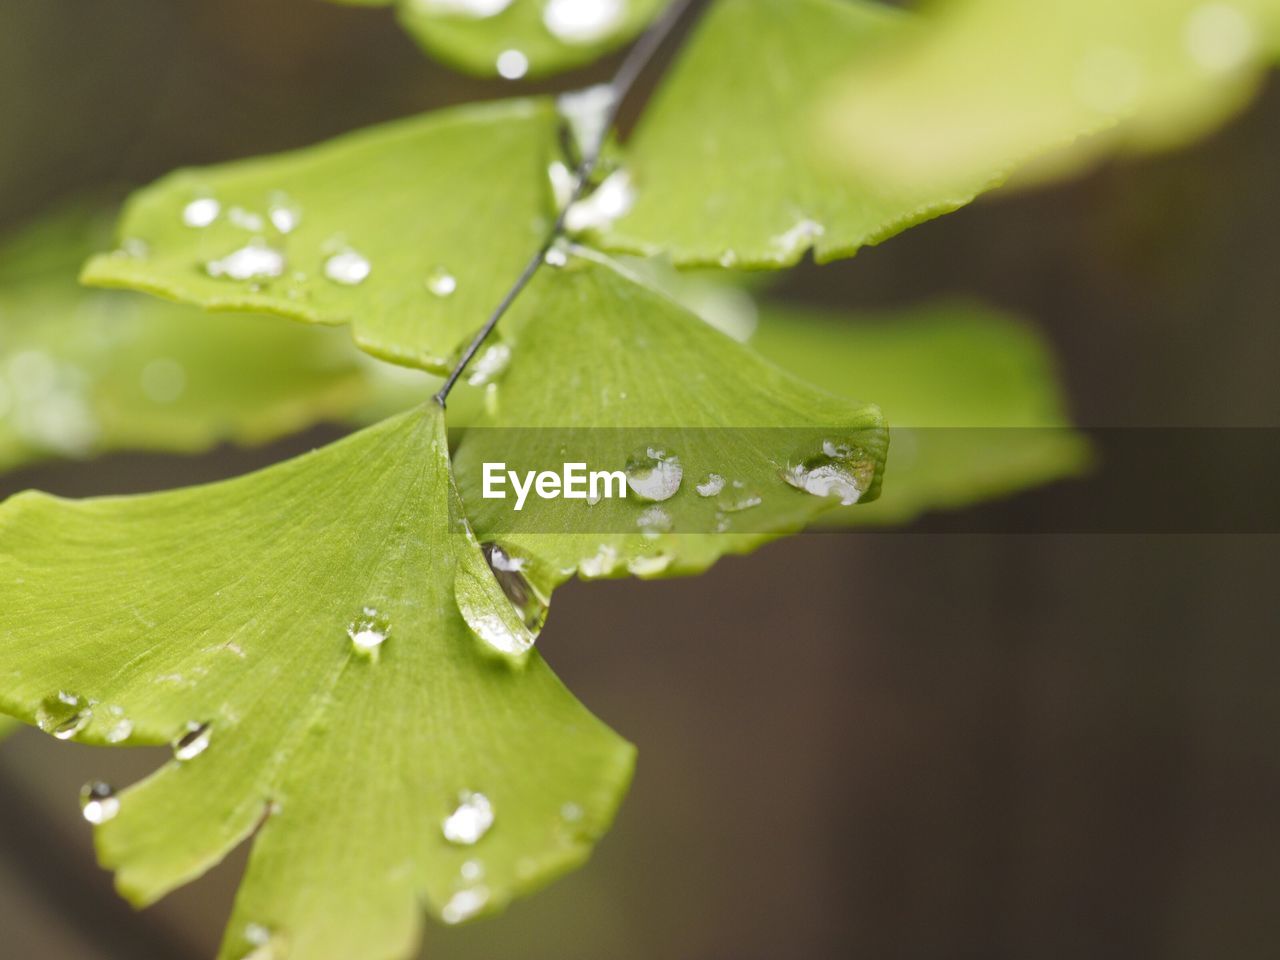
[83, 372]
[519, 37]
[411, 232]
[972, 395]
[294, 633]
[724, 165]
[990, 83]
[608, 371]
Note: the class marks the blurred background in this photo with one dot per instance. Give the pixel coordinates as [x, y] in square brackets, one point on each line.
[920, 743]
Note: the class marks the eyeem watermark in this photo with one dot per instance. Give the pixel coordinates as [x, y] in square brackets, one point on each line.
[574, 482]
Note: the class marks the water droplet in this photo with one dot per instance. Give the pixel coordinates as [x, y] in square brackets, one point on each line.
[465, 904]
[489, 365]
[558, 255]
[120, 731]
[738, 497]
[255, 261]
[571, 813]
[193, 742]
[132, 248]
[472, 870]
[246, 219]
[799, 237]
[164, 380]
[470, 820]
[711, 486]
[284, 214]
[512, 64]
[476, 9]
[64, 715]
[649, 566]
[563, 183]
[368, 632]
[348, 268]
[98, 802]
[261, 941]
[1220, 37]
[201, 212]
[442, 283]
[612, 199]
[653, 474]
[587, 114]
[654, 521]
[601, 564]
[582, 21]
[840, 471]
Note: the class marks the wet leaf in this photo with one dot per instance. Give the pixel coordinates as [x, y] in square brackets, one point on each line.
[611, 373]
[411, 232]
[294, 634]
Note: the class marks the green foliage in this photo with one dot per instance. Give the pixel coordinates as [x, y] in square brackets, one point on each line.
[646, 374]
[243, 606]
[539, 37]
[8, 725]
[85, 372]
[971, 394]
[440, 211]
[987, 85]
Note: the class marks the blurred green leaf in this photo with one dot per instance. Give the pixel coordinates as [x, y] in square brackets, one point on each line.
[971, 395]
[723, 163]
[83, 372]
[524, 37]
[411, 232]
[986, 85]
[609, 371]
[294, 634]
[8, 725]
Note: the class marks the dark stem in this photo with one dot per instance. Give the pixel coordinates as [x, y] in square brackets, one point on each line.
[631, 69]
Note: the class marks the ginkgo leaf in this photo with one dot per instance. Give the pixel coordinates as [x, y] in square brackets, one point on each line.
[972, 394]
[989, 84]
[515, 38]
[723, 163]
[411, 232]
[294, 634]
[721, 449]
[87, 371]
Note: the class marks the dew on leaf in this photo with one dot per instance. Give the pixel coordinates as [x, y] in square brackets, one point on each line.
[557, 256]
[98, 802]
[512, 64]
[653, 474]
[441, 282]
[470, 820]
[799, 237]
[587, 114]
[611, 200]
[348, 268]
[582, 21]
[529, 604]
[601, 564]
[284, 213]
[489, 365]
[254, 261]
[571, 813]
[563, 183]
[465, 904]
[654, 521]
[472, 870]
[710, 486]
[64, 715]
[201, 212]
[649, 566]
[120, 731]
[193, 742]
[368, 632]
[838, 471]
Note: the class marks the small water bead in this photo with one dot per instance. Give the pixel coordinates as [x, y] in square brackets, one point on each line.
[442, 283]
[193, 742]
[470, 820]
[512, 64]
[601, 564]
[571, 813]
[563, 183]
[201, 212]
[582, 21]
[509, 571]
[611, 200]
[246, 219]
[489, 365]
[711, 486]
[649, 566]
[64, 715]
[98, 802]
[348, 268]
[284, 214]
[368, 632]
[465, 904]
[132, 248]
[654, 521]
[120, 731]
[839, 471]
[557, 256]
[472, 870]
[587, 114]
[255, 261]
[262, 943]
[739, 497]
[800, 237]
[653, 474]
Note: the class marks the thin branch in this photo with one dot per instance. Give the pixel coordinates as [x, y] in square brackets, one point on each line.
[629, 72]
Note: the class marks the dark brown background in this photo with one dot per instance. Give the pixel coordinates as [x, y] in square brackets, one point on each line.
[906, 745]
